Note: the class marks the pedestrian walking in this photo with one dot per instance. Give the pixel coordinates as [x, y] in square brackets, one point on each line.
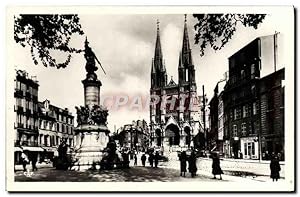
[150, 158]
[156, 158]
[143, 158]
[216, 169]
[275, 168]
[24, 161]
[33, 162]
[183, 160]
[135, 160]
[192, 164]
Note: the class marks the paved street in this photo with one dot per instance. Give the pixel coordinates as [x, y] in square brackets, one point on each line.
[167, 171]
[134, 174]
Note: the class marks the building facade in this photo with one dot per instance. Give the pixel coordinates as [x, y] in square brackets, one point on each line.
[272, 114]
[55, 125]
[244, 100]
[216, 128]
[174, 119]
[39, 126]
[134, 136]
[26, 110]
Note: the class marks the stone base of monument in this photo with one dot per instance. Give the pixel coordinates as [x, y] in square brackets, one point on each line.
[90, 143]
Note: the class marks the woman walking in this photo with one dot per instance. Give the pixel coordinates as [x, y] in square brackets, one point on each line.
[275, 168]
[143, 158]
[192, 164]
[183, 160]
[216, 169]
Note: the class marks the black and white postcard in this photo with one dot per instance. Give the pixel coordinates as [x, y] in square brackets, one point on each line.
[147, 99]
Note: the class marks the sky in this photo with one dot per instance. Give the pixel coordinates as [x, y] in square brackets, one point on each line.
[124, 44]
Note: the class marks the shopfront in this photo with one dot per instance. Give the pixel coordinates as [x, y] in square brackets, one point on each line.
[249, 148]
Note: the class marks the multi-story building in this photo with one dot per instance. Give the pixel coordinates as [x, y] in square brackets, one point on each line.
[55, 125]
[174, 120]
[243, 117]
[272, 114]
[216, 128]
[26, 109]
[134, 136]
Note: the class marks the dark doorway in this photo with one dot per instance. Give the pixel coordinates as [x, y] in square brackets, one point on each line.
[172, 132]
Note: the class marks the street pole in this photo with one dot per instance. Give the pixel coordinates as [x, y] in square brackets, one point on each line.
[131, 147]
[204, 126]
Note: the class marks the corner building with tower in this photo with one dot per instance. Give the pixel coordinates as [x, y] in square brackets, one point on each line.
[175, 118]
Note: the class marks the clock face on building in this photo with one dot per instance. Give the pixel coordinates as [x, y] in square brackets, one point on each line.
[46, 105]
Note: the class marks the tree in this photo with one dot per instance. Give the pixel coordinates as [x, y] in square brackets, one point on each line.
[217, 29]
[46, 33]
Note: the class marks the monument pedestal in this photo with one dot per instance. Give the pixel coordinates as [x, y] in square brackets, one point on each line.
[90, 143]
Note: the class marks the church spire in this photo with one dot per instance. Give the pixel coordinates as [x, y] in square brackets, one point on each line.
[186, 50]
[158, 63]
[152, 67]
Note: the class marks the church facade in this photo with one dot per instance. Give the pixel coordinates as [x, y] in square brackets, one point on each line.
[175, 117]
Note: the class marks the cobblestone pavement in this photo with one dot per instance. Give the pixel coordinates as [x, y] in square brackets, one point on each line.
[134, 174]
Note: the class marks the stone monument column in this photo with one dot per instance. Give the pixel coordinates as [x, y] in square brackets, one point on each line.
[91, 131]
[91, 91]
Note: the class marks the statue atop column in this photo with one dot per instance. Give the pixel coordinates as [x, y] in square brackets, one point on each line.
[91, 59]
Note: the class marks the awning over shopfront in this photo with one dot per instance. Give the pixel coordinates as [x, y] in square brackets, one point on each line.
[33, 148]
[17, 149]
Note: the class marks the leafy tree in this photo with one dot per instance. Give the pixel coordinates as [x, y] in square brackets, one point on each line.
[217, 29]
[45, 33]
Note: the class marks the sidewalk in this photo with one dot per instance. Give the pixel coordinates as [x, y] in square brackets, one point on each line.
[251, 168]
[207, 172]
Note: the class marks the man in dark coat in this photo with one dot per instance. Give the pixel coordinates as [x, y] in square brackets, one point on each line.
[33, 161]
[143, 158]
[150, 158]
[192, 164]
[182, 159]
[156, 158]
[216, 169]
[275, 168]
[135, 160]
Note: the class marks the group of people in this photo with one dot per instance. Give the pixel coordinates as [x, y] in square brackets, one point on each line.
[192, 161]
[152, 158]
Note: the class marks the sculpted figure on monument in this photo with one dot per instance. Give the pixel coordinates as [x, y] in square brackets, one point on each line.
[99, 114]
[90, 57]
[79, 116]
[96, 115]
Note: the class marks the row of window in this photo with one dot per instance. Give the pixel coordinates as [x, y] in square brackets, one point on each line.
[26, 121]
[46, 140]
[26, 88]
[26, 104]
[65, 119]
[49, 125]
[243, 111]
[243, 74]
[245, 129]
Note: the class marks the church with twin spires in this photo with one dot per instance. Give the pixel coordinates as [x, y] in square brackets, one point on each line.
[175, 118]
